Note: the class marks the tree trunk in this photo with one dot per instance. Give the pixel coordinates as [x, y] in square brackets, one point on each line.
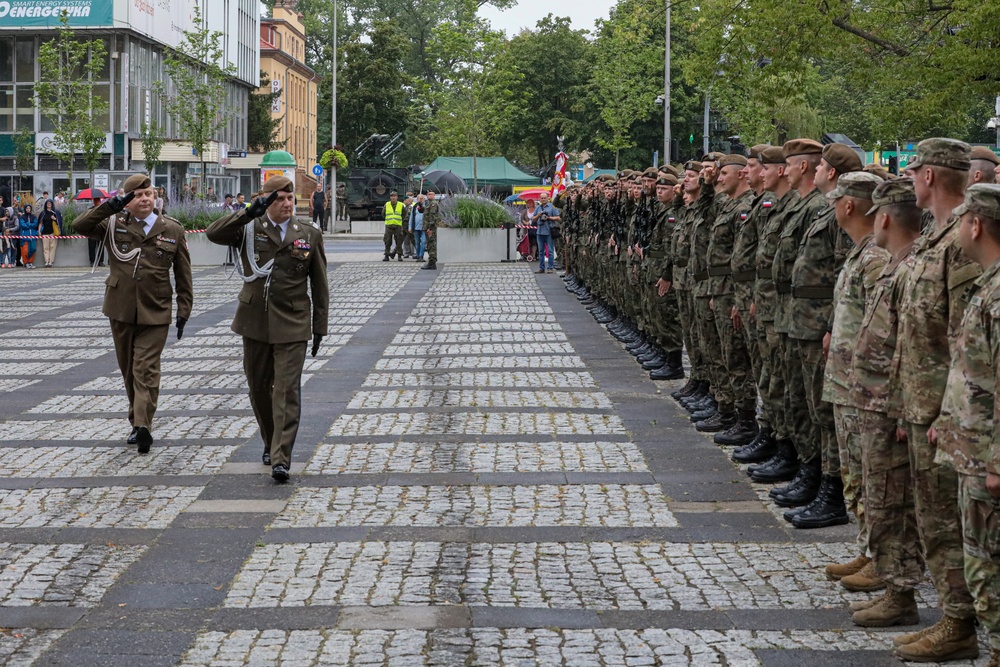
[616, 159]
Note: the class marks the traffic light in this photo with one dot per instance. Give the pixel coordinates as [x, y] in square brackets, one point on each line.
[894, 165]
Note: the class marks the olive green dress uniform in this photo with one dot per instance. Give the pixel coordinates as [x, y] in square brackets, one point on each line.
[276, 317]
[138, 295]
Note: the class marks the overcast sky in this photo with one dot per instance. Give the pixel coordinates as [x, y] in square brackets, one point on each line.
[528, 12]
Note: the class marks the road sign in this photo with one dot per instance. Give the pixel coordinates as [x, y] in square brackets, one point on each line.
[317, 170]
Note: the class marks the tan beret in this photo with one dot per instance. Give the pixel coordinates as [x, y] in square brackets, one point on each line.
[651, 172]
[136, 182]
[669, 169]
[737, 160]
[842, 158]
[795, 147]
[692, 165]
[605, 178]
[878, 170]
[278, 183]
[666, 179]
[772, 155]
[984, 153]
[755, 151]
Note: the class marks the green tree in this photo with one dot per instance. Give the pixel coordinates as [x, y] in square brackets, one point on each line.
[92, 145]
[554, 60]
[262, 127]
[24, 154]
[622, 86]
[65, 91]
[152, 138]
[196, 99]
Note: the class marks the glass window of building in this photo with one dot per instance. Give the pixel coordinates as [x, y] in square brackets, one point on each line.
[24, 108]
[6, 108]
[24, 59]
[6, 59]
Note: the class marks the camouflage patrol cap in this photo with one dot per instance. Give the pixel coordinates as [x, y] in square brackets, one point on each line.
[276, 184]
[859, 184]
[755, 151]
[669, 169]
[894, 191]
[984, 153]
[842, 157]
[136, 182]
[794, 147]
[727, 160]
[666, 179]
[983, 199]
[692, 165]
[878, 170]
[942, 152]
[772, 155]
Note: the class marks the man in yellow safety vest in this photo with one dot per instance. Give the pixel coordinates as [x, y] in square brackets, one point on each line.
[393, 227]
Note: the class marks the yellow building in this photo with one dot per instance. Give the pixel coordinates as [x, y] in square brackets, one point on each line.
[282, 57]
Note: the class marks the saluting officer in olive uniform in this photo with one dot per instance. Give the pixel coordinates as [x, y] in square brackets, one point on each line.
[143, 247]
[283, 263]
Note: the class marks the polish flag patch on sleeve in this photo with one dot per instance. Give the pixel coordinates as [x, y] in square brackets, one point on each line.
[766, 204]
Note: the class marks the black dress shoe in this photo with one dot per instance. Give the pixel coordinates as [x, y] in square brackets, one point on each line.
[131, 436]
[279, 473]
[144, 439]
[266, 458]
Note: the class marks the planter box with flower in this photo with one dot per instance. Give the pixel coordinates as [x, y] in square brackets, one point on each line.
[472, 230]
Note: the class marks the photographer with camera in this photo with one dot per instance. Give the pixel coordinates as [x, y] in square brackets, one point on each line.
[545, 218]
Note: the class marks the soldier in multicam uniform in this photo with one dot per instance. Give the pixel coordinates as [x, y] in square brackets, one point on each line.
[931, 299]
[893, 540]
[965, 431]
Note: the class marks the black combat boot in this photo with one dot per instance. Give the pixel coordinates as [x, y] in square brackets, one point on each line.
[631, 348]
[652, 353]
[760, 449]
[707, 412]
[741, 433]
[779, 468]
[720, 421]
[606, 317]
[654, 362]
[667, 372]
[689, 388]
[803, 488]
[827, 509]
[706, 402]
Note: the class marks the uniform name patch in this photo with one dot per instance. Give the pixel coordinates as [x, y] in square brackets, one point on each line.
[119, 230]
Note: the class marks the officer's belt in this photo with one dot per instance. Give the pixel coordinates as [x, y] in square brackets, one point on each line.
[783, 288]
[745, 276]
[812, 292]
[719, 271]
[681, 262]
[702, 275]
[656, 254]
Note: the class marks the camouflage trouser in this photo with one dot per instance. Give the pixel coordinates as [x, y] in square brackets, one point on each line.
[685, 304]
[795, 408]
[820, 411]
[743, 299]
[935, 500]
[666, 320]
[735, 356]
[981, 534]
[849, 440]
[771, 384]
[711, 348]
[893, 539]
[432, 247]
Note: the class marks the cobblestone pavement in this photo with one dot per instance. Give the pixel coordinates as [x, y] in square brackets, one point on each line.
[482, 477]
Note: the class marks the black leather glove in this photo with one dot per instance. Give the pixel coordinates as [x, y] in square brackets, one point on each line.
[260, 204]
[317, 339]
[118, 202]
[180, 327]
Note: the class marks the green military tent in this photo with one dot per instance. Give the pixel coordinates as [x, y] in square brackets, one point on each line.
[490, 171]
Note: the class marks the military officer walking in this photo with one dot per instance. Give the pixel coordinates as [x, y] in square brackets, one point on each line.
[283, 263]
[143, 248]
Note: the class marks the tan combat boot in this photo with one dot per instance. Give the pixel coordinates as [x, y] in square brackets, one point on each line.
[864, 581]
[948, 639]
[895, 607]
[868, 603]
[837, 571]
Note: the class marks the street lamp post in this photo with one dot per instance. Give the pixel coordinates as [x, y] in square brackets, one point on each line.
[666, 92]
[333, 123]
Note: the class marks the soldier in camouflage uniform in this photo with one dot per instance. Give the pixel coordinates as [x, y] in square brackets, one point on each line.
[698, 389]
[965, 430]
[931, 301]
[821, 255]
[658, 273]
[893, 540]
[851, 201]
[777, 452]
[730, 217]
[432, 218]
[744, 267]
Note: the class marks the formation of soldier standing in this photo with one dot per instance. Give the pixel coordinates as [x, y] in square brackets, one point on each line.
[843, 332]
